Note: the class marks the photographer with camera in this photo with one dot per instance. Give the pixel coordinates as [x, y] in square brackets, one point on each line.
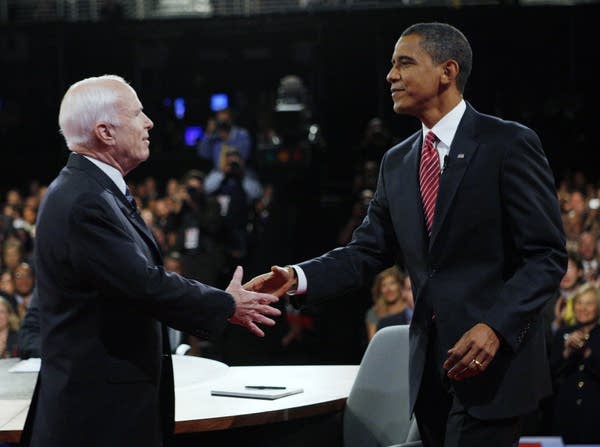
[220, 136]
[236, 189]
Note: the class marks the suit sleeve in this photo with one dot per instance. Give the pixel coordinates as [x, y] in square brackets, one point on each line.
[373, 247]
[532, 215]
[106, 255]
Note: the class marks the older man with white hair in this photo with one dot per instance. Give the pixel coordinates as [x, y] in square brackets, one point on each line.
[104, 296]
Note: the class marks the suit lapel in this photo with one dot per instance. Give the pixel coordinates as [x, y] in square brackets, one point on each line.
[462, 150]
[80, 162]
[411, 206]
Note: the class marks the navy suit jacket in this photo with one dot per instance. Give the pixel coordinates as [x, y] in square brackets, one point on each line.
[106, 375]
[496, 255]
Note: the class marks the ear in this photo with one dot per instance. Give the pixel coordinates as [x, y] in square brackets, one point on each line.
[104, 132]
[450, 71]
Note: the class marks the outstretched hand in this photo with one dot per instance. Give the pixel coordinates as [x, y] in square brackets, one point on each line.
[251, 308]
[473, 353]
[277, 282]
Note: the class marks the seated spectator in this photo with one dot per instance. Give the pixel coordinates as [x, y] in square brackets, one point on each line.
[24, 282]
[562, 306]
[575, 362]
[12, 253]
[7, 287]
[389, 301]
[589, 255]
[404, 316]
[9, 326]
[29, 333]
[221, 135]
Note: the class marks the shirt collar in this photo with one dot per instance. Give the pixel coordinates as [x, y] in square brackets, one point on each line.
[445, 129]
[112, 172]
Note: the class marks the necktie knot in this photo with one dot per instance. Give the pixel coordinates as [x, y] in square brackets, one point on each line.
[130, 199]
[429, 143]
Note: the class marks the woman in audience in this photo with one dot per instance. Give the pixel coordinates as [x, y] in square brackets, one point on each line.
[575, 361]
[389, 301]
[9, 327]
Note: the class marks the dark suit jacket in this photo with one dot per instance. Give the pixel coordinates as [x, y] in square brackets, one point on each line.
[496, 255]
[106, 376]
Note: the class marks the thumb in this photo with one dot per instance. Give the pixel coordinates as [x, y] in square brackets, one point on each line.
[236, 280]
[280, 271]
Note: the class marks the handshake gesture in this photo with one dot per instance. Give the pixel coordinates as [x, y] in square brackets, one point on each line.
[253, 300]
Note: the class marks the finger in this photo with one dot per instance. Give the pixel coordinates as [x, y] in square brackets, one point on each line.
[473, 368]
[462, 364]
[263, 297]
[254, 329]
[261, 319]
[454, 355]
[236, 279]
[268, 310]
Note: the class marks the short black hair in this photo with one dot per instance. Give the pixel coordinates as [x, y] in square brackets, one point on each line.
[443, 42]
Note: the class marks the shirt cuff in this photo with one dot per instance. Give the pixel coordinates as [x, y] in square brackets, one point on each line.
[302, 283]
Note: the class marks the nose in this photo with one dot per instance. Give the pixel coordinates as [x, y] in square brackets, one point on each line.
[149, 123]
[392, 75]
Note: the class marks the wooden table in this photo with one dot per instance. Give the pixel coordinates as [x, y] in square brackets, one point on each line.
[326, 388]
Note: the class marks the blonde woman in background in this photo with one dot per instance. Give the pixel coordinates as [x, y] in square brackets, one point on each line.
[391, 292]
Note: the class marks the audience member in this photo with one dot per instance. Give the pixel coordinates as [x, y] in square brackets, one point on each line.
[24, 282]
[9, 326]
[575, 362]
[391, 304]
[562, 306]
[12, 254]
[7, 287]
[589, 255]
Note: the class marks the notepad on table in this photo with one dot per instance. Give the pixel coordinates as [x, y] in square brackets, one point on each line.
[258, 392]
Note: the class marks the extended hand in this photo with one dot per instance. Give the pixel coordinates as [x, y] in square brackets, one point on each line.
[251, 307]
[277, 282]
[473, 353]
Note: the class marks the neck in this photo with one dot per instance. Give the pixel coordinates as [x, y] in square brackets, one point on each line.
[398, 306]
[442, 105]
[103, 156]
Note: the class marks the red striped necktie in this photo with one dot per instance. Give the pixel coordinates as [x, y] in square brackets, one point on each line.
[429, 178]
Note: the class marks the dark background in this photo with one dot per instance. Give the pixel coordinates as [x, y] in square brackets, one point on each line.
[537, 65]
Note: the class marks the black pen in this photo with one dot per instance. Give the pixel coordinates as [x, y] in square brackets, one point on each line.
[264, 387]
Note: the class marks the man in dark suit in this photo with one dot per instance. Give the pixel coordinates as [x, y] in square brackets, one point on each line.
[104, 296]
[469, 207]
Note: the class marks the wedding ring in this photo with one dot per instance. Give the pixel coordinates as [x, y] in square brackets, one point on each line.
[477, 363]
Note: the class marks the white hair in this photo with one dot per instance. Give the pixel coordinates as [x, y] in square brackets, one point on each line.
[86, 103]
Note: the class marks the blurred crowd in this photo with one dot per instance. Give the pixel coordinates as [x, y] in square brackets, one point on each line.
[208, 221]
